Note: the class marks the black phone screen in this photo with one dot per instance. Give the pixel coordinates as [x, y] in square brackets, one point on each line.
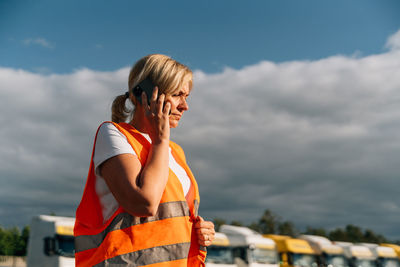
[146, 86]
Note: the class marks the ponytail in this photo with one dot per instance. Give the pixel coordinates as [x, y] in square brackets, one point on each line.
[119, 111]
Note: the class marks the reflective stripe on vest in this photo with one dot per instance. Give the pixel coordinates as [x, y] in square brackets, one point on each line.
[124, 220]
[166, 239]
[150, 256]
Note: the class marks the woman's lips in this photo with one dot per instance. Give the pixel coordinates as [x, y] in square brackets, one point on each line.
[176, 115]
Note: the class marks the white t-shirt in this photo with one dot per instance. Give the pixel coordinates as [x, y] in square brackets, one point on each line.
[111, 142]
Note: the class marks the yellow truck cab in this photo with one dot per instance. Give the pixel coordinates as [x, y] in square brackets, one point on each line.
[329, 255]
[358, 255]
[294, 252]
[220, 253]
[250, 248]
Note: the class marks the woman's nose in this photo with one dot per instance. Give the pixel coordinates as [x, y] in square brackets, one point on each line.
[183, 104]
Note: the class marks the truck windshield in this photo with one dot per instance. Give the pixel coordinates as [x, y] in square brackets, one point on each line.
[336, 261]
[364, 263]
[65, 245]
[261, 255]
[217, 254]
[385, 262]
[304, 260]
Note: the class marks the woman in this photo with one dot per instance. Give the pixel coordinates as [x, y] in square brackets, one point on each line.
[140, 202]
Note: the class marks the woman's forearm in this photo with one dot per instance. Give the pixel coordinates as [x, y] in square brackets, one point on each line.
[154, 176]
[137, 188]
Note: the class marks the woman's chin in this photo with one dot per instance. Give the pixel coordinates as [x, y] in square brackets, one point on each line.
[173, 123]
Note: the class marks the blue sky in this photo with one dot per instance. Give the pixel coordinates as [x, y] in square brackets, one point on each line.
[295, 106]
[206, 35]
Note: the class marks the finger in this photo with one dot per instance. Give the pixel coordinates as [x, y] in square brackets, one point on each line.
[201, 233]
[211, 237]
[167, 108]
[204, 224]
[153, 101]
[205, 235]
[204, 243]
[144, 103]
[205, 231]
[199, 219]
[160, 103]
[206, 238]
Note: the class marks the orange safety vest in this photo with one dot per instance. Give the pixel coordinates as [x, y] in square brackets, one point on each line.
[166, 239]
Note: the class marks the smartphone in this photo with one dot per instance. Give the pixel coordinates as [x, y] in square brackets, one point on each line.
[146, 86]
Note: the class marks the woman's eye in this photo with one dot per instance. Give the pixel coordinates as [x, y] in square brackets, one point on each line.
[180, 95]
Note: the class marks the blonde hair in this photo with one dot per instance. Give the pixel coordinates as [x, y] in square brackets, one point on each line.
[165, 72]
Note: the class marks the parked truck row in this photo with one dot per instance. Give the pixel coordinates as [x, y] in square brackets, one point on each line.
[302, 251]
[51, 243]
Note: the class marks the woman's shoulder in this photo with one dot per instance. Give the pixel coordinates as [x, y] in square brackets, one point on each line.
[108, 129]
[110, 142]
[107, 126]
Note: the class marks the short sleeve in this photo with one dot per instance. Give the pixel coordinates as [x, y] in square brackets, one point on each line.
[110, 142]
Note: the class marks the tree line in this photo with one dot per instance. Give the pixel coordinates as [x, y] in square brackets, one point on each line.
[14, 242]
[270, 223]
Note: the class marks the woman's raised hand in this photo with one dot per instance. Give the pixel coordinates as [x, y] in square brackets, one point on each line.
[157, 116]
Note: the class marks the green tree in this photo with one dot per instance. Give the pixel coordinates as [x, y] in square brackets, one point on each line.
[2, 233]
[13, 242]
[23, 242]
[254, 226]
[316, 231]
[236, 223]
[354, 233]
[338, 235]
[287, 228]
[371, 237]
[10, 241]
[268, 223]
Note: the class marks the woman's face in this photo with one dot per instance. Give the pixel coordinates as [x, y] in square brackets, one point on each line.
[178, 104]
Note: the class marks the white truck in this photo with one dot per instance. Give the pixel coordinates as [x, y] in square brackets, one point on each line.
[393, 246]
[358, 255]
[329, 255]
[51, 242]
[250, 248]
[220, 253]
[384, 256]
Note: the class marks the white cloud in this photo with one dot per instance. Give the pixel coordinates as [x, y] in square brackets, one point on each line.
[393, 42]
[315, 141]
[38, 41]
